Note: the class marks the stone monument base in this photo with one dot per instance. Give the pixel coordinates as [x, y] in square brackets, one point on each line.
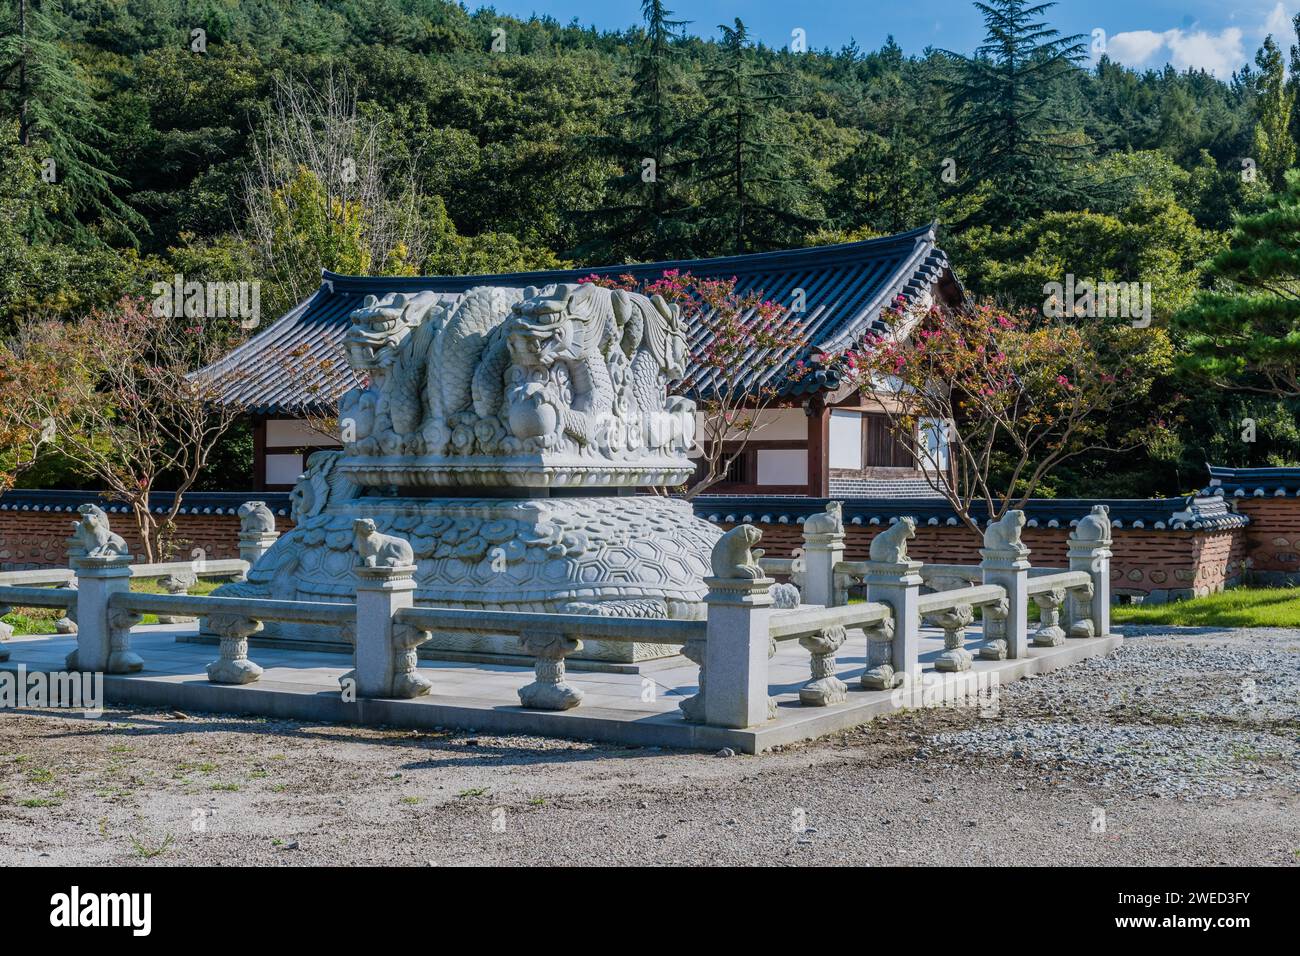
[612, 555]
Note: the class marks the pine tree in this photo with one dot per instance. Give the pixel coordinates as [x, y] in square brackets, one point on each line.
[750, 200]
[45, 90]
[1272, 145]
[652, 154]
[1245, 334]
[1005, 127]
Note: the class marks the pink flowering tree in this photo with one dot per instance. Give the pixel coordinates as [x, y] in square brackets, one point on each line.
[742, 346]
[116, 398]
[991, 402]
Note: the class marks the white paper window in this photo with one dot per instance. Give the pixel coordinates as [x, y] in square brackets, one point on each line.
[846, 440]
[289, 433]
[782, 466]
[934, 438]
[283, 469]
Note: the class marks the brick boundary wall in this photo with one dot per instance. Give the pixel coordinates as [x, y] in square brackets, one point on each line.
[1272, 540]
[1156, 566]
[39, 539]
[35, 526]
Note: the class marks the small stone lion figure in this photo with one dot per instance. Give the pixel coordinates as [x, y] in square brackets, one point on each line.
[93, 536]
[381, 550]
[256, 518]
[735, 557]
[890, 546]
[1095, 527]
[1004, 534]
[830, 521]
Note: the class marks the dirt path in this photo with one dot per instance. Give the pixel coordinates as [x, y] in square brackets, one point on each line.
[1178, 749]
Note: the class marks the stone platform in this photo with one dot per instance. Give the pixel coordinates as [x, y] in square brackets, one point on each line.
[619, 707]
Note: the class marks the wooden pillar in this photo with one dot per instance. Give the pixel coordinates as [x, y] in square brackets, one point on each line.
[819, 447]
[259, 453]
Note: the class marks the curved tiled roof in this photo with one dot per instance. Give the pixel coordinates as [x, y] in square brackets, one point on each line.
[845, 287]
[1253, 482]
[195, 503]
[1191, 513]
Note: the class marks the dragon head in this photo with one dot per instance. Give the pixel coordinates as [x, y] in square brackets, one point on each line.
[380, 326]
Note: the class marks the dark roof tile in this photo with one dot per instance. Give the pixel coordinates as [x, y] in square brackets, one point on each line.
[845, 287]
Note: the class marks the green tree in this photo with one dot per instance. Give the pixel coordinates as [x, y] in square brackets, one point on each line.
[1272, 145]
[651, 153]
[1244, 333]
[1004, 123]
[750, 199]
[46, 90]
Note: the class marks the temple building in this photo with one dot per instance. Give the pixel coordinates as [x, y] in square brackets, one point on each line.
[820, 437]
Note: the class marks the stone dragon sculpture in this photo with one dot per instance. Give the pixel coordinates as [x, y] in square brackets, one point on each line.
[573, 368]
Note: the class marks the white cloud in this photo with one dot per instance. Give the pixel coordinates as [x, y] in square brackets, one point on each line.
[1199, 49]
[1279, 25]
[1135, 48]
[1218, 53]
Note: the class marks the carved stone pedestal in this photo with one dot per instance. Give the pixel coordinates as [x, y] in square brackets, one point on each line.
[880, 673]
[549, 691]
[995, 631]
[232, 665]
[1049, 633]
[955, 657]
[177, 584]
[692, 708]
[824, 688]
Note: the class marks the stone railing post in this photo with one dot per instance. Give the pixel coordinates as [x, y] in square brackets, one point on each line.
[898, 584]
[738, 639]
[384, 647]
[232, 665]
[1089, 550]
[823, 549]
[1005, 562]
[67, 624]
[103, 633]
[256, 531]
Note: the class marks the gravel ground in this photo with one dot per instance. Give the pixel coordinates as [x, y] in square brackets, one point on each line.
[1181, 748]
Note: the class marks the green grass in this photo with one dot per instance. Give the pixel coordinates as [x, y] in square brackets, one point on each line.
[40, 620]
[1238, 607]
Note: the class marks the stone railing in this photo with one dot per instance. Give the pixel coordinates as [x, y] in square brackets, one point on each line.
[1081, 593]
[732, 646]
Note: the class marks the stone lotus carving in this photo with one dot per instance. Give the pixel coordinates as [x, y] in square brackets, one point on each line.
[563, 385]
[1004, 534]
[380, 550]
[256, 518]
[93, 537]
[785, 597]
[890, 546]
[735, 558]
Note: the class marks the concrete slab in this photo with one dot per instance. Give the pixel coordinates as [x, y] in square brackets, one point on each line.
[619, 707]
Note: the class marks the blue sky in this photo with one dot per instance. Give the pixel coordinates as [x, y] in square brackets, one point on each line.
[1218, 37]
